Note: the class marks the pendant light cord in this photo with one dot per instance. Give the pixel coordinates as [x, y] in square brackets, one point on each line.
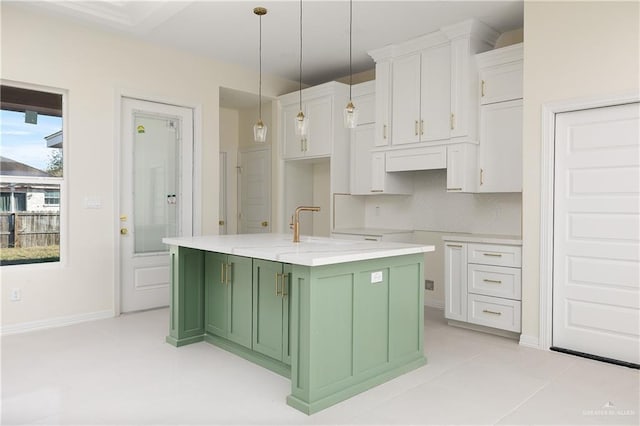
[300, 55]
[350, 50]
[260, 67]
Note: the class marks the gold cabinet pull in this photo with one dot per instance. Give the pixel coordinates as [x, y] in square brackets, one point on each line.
[454, 189]
[486, 311]
[455, 245]
[222, 268]
[377, 190]
[415, 127]
[264, 224]
[384, 131]
[221, 222]
[278, 292]
[124, 231]
[422, 127]
[481, 176]
[492, 254]
[482, 85]
[492, 281]
[452, 121]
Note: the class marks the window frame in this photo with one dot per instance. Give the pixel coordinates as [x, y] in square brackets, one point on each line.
[61, 181]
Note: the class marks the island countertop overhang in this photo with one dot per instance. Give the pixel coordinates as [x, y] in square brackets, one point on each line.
[311, 251]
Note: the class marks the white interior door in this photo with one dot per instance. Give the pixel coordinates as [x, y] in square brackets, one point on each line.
[155, 197]
[596, 272]
[255, 191]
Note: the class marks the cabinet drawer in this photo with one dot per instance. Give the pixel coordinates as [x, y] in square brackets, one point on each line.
[494, 312]
[497, 281]
[492, 254]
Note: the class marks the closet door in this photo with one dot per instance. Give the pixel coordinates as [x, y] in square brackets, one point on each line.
[596, 284]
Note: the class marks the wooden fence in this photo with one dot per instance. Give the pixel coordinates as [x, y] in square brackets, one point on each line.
[27, 229]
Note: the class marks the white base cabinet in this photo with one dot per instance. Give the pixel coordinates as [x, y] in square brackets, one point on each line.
[483, 283]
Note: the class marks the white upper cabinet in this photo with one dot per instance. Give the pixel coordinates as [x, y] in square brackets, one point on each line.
[500, 74]
[421, 96]
[500, 149]
[383, 103]
[322, 106]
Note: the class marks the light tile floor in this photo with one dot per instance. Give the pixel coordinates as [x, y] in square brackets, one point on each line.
[120, 372]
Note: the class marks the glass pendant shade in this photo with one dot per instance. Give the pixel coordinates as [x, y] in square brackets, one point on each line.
[350, 116]
[260, 131]
[302, 124]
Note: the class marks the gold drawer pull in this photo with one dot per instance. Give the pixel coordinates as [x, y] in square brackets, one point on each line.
[486, 311]
[492, 281]
[454, 189]
[492, 254]
[454, 245]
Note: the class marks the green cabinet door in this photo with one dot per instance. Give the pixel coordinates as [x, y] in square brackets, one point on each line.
[215, 291]
[228, 281]
[239, 299]
[270, 309]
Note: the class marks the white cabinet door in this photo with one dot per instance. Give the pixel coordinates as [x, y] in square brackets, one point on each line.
[366, 106]
[462, 91]
[361, 144]
[378, 172]
[406, 100]
[461, 167]
[319, 112]
[435, 101]
[293, 145]
[383, 103]
[455, 281]
[501, 83]
[500, 151]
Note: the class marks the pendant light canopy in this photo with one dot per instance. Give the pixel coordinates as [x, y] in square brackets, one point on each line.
[350, 111]
[260, 129]
[302, 122]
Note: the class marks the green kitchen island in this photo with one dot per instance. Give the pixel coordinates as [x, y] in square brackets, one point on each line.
[335, 316]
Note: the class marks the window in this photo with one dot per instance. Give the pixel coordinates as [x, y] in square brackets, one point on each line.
[52, 197]
[31, 175]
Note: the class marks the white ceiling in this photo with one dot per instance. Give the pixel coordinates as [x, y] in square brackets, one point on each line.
[228, 30]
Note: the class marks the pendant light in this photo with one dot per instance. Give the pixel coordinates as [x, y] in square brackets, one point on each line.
[350, 111]
[302, 122]
[260, 129]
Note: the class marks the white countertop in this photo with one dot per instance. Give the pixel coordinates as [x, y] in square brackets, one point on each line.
[485, 239]
[311, 251]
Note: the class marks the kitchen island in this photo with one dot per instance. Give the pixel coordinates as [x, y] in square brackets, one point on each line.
[335, 316]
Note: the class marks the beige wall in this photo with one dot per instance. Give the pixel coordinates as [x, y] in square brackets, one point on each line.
[94, 67]
[571, 50]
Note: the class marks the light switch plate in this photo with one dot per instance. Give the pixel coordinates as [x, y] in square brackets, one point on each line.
[376, 277]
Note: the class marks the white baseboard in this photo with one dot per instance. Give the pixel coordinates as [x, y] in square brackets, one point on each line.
[438, 304]
[530, 341]
[25, 327]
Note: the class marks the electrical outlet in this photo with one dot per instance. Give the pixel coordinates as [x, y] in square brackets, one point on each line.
[16, 294]
[376, 277]
[428, 285]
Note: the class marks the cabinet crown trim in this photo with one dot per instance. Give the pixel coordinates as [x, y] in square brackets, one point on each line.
[474, 28]
[503, 55]
[330, 88]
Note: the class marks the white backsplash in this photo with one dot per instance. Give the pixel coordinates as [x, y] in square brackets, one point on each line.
[431, 208]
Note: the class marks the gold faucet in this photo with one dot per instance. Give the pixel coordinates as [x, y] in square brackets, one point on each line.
[296, 220]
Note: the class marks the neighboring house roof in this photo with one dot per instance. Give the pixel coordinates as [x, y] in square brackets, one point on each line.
[54, 140]
[9, 167]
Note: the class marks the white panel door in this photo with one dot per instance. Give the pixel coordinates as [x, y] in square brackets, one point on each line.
[255, 191]
[156, 197]
[596, 276]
